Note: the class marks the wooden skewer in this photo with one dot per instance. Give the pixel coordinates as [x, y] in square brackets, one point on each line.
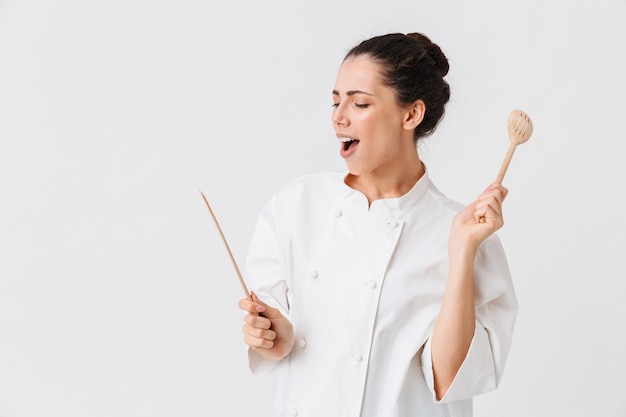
[230, 254]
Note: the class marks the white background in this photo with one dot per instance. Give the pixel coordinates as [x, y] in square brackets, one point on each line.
[117, 297]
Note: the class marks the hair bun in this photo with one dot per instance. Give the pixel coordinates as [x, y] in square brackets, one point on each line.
[434, 51]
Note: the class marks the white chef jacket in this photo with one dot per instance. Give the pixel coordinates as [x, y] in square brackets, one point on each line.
[363, 288]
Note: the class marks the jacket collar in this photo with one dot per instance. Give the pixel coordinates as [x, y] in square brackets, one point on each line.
[387, 206]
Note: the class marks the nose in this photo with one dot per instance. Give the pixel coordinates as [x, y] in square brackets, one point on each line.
[339, 116]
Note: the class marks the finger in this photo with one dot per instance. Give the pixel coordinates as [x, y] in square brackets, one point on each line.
[489, 202]
[492, 205]
[269, 312]
[256, 321]
[259, 332]
[250, 306]
[480, 215]
[480, 210]
[257, 343]
[487, 214]
[495, 194]
[496, 189]
[504, 191]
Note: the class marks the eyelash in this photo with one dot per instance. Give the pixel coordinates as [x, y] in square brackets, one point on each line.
[360, 106]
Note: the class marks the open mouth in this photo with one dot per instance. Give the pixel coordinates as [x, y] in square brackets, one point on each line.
[349, 142]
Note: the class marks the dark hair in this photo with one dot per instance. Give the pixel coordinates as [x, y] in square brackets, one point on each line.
[414, 67]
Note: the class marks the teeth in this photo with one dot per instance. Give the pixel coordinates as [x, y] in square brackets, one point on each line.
[347, 140]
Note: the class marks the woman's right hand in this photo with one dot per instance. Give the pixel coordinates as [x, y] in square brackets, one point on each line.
[266, 330]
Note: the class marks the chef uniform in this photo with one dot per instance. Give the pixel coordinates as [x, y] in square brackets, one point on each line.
[362, 285]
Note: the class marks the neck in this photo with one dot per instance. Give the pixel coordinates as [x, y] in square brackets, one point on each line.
[392, 183]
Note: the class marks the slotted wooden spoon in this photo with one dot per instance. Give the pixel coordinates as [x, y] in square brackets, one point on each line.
[520, 127]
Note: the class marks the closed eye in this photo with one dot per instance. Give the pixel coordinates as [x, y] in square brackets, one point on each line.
[361, 106]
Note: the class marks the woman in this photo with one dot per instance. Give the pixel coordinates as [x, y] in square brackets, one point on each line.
[373, 294]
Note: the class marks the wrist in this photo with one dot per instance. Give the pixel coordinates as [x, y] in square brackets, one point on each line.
[464, 250]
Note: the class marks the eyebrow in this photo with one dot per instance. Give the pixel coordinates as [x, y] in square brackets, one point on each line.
[352, 92]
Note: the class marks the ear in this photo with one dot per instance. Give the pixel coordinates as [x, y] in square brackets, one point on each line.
[415, 115]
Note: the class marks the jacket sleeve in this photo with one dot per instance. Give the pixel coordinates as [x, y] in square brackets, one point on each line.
[496, 311]
[266, 273]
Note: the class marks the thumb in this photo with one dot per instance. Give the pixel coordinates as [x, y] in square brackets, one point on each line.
[264, 309]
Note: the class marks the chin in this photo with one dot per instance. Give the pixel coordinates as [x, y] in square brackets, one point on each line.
[352, 170]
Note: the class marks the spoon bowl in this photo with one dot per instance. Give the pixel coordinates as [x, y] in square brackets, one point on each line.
[519, 127]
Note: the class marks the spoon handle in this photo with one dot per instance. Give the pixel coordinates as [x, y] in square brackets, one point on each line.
[505, 163]
[230, 254]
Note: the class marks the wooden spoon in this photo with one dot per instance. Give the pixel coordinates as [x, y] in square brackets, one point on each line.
[230, 254]
[520, 127]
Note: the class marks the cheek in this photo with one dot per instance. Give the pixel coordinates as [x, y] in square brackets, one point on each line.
[379, 124]
[369, 121]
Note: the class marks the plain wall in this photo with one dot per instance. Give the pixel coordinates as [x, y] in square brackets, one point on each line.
[117, 297]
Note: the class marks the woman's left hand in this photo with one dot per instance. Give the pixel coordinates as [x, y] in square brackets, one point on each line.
[476, 222]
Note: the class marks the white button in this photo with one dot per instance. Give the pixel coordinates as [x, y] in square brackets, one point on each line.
[357, 357]
[392, 223]
[313, 274]
[338, 213]
[293, 411]
[371, 284]
[302, 343]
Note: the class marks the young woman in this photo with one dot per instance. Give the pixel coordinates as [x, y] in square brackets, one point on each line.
[374, 294]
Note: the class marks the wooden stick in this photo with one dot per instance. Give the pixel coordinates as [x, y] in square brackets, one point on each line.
[230, 254]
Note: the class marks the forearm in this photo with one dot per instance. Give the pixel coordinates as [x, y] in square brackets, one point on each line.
[455, 325]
